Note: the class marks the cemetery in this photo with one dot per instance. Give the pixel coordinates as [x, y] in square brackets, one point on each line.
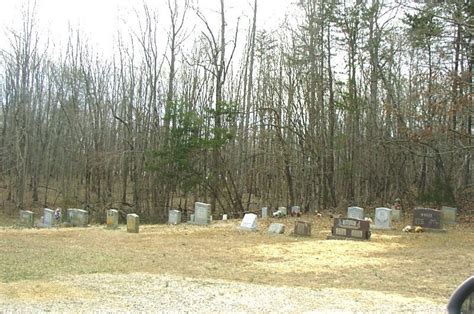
[265, 249]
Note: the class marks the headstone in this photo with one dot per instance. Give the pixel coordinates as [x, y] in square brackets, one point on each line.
[48, 218]
[191, 218]
[27, 218]
[383, 218]
[264, 212]
[112, 218]
[283, 210]
[202, 213]
[174, 217]
[355, 212]
[302, 228]
[396, 214]
[276, 228]
[295, 211]
[427, 218]
[448, 214]
[77, 217]
[224, 217]
[350, 228]
[133, 223]
[249, 222]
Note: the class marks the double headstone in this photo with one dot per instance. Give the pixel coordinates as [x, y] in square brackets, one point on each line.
[355, 212]
[427, 218]
[350, 228]
[133, 223]
[302, 228]
[27, 218]
[264, 212]
[202, 213]
[383, 218]
[174, 217]
[112, 218]
[276, 228]
[48, 218]
[249, 223]
[448, 214]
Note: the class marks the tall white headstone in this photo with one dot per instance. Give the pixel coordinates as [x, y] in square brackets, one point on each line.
[355, 212]
[202, 213]
[48, 218]
[249, 222]
[383, 218]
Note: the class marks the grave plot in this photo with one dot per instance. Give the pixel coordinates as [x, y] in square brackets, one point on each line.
[350, 228]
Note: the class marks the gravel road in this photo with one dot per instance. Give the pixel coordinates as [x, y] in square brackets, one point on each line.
[138, 292]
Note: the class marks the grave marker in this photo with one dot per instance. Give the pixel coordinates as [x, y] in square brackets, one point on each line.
[302, 228]
[448, 214]
[112, 218]
[350, 228]
[264, 212]
[202, 213]
[48, 218]
[27, 218]
[355, 212]
[133, 223]
[276, 228]
[295, 211]
[249, 222]
[174, 217]
[383, 218]
[427, 218]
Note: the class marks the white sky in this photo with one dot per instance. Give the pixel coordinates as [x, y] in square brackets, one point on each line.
[100, 19]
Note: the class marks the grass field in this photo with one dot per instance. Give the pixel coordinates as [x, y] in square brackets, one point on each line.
[426, 265]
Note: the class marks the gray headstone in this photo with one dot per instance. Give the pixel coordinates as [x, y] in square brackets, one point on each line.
[383, 218]
[249, 222]
[302, 228]
[448, 214]
[295, 210]
[112, 218]
[283, 210]
[427, 218]
[77, 217]
[276, 228]
[27, 218]
[264, 212]
[133, 223]
[355, 212]
[202, 213]
[174, 217]
[48, 218]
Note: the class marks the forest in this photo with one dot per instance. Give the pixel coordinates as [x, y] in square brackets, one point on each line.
[359, 101]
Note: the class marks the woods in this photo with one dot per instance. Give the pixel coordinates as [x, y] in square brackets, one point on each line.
[353, 101]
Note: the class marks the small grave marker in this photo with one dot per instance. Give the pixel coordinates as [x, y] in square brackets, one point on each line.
[344, 228]
[427, 218]
[448, 214]
[383, 218]
[112, 219]
[174, 217]
[276, 228]
[295, 211]
[202, 213]
[48, 218]
[355, 212]
[249, 222]
[302, 228]
[27, 218]
[133, 223]
[264, 212]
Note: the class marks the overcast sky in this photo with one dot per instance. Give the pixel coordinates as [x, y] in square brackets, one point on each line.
[100, 19]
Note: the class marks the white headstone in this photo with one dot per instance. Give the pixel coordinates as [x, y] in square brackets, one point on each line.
[355, 212]
[383, 218]
[224, 217]
[264, 212]
[202, 213]
[133, 223]
[295, 210]
[112, 218]
[276, 228]
[249, 222]
[283, 210]
[174, 217]
[48, 217]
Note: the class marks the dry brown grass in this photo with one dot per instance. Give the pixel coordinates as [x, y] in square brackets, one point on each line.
[427, 265]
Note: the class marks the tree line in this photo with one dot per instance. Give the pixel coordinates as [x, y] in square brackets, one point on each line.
[348, 102]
